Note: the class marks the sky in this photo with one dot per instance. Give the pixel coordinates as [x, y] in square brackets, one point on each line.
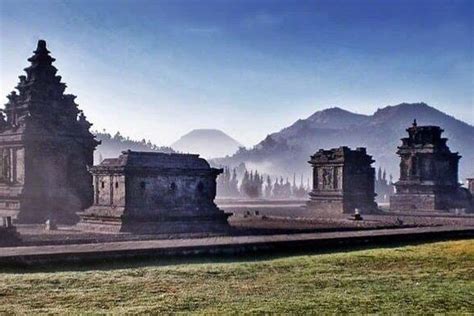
[158, 69]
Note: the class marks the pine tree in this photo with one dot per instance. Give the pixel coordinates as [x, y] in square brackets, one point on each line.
[294, 188]
[285, 189]
[276, 189]
[245, 183]
[301, 190]
[118, 136]
[252, 184]
[268, 188]
[260, 185]
[256, 187]
[234, 184]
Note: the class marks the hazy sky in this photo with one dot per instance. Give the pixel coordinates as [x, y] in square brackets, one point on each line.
[157, 69]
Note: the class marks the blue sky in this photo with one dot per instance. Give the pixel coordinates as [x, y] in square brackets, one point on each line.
[157, 69]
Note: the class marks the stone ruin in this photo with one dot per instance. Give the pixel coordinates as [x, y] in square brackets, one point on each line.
[45, 148]
[343, 181]
[154, 192]
[428, 174]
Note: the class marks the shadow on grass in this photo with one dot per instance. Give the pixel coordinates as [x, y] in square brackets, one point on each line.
[260, 255]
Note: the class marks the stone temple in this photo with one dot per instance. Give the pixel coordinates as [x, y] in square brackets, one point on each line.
[428, 174]
[343, 180]
[147, 192]
[470, 185]
[45, 147]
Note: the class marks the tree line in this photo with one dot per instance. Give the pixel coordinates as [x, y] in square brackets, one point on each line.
[254, 185]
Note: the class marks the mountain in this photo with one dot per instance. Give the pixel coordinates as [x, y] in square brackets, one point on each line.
[112, 146]
[287, 151]
[207, 142]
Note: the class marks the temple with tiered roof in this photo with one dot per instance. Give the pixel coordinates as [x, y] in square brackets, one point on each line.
[428, 174]
[45, 148]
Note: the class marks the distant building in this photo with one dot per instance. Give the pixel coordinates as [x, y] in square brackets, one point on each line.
[150, 192]
[45, 148]
[343, 180]
[428, 174]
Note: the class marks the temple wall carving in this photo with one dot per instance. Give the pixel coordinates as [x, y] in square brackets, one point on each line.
[343, 180]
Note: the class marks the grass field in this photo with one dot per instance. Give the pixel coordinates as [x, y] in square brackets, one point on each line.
[428, 278]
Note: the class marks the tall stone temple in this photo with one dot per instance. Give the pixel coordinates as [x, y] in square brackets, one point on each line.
[428, 174]
[45, 148]
[343, 180]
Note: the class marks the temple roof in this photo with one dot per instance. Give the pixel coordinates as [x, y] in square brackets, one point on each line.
[340, 154]
[41, 85]
[41, 103]
[137, 159]
[41, 55]
[425, 135]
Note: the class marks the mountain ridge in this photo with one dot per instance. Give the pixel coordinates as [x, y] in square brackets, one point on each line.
[287, 151]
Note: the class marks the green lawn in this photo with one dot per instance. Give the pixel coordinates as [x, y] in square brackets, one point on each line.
[428, 278]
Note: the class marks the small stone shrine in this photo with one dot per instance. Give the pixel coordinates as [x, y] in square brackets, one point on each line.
[343, 181]
[428, 174]
[45, 148]
[146, 192]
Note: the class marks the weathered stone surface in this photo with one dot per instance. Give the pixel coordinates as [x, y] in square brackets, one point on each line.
[428, 174]
[154, 192]
[45, 147]
[8, 233]
[114, 251]
[343, 180]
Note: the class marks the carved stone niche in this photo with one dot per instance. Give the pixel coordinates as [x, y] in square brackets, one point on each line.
[5, 165]
[343, 181]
